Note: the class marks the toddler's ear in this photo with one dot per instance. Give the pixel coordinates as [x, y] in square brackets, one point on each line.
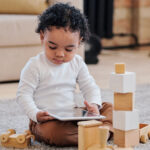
[80, 40]
[41, 36]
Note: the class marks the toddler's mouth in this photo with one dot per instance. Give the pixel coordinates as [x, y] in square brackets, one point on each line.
[57, 61]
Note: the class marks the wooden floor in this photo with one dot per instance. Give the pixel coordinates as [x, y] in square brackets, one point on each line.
[137, 61]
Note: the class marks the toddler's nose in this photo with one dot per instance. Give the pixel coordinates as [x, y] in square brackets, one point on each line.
[60, 53]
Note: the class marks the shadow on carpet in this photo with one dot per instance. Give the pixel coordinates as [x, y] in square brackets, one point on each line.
[11, 116]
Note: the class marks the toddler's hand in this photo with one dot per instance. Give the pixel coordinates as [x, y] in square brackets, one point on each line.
[92, 108]
[43, 116]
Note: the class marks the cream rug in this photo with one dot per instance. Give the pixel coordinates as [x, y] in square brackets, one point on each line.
[11, 116]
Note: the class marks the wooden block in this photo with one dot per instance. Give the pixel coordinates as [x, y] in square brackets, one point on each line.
[88, 134]
[103, 136]
[90, 123]
[126, 138]
[123, 83]
[120, 68]
[124, 101]
[126, 120]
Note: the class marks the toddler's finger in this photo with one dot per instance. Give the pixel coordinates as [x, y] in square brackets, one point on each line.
[46, 118]
[87, 105]
[49, 117]
[45, 113]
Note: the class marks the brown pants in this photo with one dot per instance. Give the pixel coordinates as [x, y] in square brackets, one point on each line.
[65, 133]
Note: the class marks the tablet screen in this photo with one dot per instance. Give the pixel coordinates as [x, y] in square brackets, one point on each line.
[73, 114]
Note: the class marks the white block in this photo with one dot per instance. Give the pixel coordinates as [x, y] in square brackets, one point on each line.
[126, 120]
[123, 83]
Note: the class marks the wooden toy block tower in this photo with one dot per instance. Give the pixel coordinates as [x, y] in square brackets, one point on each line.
[125, 117]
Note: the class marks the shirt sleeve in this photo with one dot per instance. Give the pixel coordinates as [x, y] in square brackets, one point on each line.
[29, 80]
[90, 90]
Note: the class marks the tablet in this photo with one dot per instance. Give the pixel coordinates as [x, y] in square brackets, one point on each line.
[73, 114]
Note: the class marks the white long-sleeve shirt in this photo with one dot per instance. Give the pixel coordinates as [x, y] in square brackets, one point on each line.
[44, 85]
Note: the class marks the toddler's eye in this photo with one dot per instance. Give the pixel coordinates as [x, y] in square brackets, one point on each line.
[52, 47]
[69, 50]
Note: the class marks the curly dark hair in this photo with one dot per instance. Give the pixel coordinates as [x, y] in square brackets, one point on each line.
[66, 16]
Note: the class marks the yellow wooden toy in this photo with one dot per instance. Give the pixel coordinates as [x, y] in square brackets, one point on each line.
[11, 139]
[88, 133]
[103, 136]
[144, 132]
[92, 136]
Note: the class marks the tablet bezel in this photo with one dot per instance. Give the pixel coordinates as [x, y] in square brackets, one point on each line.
[56, 114]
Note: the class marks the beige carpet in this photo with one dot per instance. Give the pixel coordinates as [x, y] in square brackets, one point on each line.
[11, 116]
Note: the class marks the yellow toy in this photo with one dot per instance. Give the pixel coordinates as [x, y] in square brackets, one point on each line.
[92, 136]
[103, 136]
[144, 132]
[11, 139]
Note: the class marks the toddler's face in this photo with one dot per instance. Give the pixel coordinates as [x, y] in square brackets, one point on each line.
[60, 45]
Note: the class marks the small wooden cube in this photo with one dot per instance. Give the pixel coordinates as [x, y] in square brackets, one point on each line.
[126, 120]
[103, 136]
[120, 68]
[126, 138]
[88, 134]
[123, 83]
[123, 101]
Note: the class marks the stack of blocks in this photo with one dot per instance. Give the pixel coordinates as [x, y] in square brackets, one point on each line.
[125, 117]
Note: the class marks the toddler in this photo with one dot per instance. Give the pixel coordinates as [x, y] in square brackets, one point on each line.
[48, 80]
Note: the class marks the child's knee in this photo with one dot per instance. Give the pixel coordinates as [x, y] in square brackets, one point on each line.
[106, 108]
[107, 104]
